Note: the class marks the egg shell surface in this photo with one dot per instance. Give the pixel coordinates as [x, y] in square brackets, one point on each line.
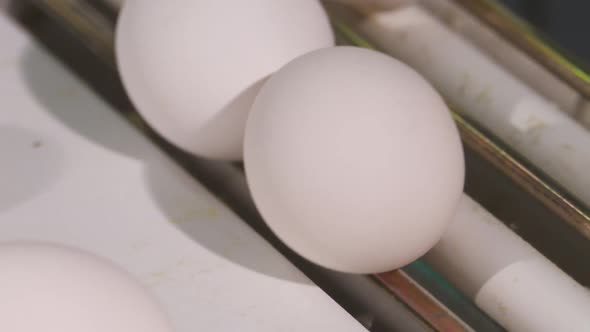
[353, 160]
[53, 288]
[193, 67]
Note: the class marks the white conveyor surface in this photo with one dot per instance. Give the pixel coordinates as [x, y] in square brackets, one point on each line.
[72, 171]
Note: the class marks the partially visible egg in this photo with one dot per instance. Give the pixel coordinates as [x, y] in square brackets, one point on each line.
[353, 160]
[52, 288]
[193, 67]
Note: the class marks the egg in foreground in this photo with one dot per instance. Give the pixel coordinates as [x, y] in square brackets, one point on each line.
[52, 288]
[353, 160]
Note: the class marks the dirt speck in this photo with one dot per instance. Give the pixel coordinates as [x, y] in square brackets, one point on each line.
[502, 309]
[158, 277]
[37, 144]
[568, 147]
[535, 131]
[193, 215]
[464, 85]
[483, 98]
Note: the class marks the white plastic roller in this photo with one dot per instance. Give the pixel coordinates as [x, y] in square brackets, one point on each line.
[507, 278]
[488, 93]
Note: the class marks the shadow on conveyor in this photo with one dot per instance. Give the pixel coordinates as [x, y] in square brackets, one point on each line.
[361, 296]
[66, 99]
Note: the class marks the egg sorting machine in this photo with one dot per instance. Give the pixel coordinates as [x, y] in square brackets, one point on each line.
[521, 109]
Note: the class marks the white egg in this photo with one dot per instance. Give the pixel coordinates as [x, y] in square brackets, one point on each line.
[57, 289]
[193, 67]
[353, 160]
